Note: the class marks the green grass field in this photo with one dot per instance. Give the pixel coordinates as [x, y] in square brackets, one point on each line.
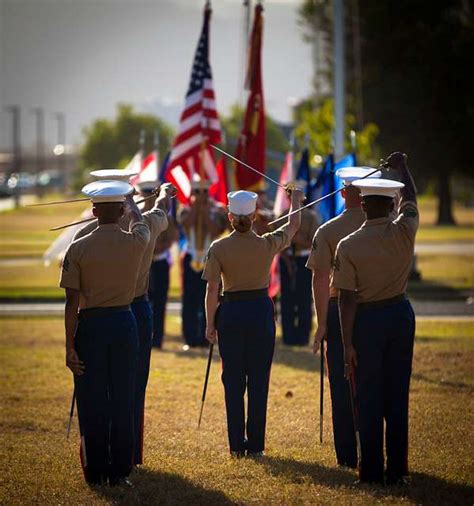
[25, 234]
[184, 465]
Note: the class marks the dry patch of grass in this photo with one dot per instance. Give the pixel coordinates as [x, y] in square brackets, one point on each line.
[456, 271]
[184, 465]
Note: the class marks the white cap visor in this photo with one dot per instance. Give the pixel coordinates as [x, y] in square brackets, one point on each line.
[114, 174]
[380, 187]
[104, 191]
[350, 174]
[242, 202]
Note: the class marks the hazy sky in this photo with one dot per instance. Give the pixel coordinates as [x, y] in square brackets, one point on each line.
[84, 56]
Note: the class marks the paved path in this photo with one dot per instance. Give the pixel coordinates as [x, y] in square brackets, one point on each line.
[9, 203]
[445, 248]
[456, 310]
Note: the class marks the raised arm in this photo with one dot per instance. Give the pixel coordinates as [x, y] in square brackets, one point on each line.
[167, 192]
[131, 209]
[294, 221]
[398, 161]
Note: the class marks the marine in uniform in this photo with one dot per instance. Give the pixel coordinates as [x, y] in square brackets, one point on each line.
[244, 322]
[156, 220]
[377, 321]
[295, 279]
[160, 279]
[99, 273]
[202, 221]
[320, 262]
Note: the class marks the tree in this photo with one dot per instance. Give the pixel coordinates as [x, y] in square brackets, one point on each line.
[316, 120]
[112, 143]
[416, 82]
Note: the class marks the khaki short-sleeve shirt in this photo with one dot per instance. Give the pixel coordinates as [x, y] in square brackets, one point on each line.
[375, 261]
[243, 260]
[103, 265]
[327, 237]
[309, 224]
[157, 222]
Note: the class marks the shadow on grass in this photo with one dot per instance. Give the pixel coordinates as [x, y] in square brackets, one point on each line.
[424, 489]
[154, 487]
[295, 357]
[434, 291]
[458, 385]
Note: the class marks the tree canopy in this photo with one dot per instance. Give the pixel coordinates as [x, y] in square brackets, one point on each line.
[416, 80]
[112, 143]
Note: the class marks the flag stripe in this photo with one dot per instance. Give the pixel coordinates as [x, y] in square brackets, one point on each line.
[199, 122]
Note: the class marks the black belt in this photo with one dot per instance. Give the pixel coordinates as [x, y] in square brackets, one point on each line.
[140, 298]
[382, 303]
[92, 312]
[244, 295]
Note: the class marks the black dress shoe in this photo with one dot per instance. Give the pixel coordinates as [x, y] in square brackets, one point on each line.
[237, 454]
[255, 455]
[120, 482]
[397, 481]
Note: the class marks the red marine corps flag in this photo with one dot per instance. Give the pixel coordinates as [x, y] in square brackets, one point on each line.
[251, 146]
[199, 124]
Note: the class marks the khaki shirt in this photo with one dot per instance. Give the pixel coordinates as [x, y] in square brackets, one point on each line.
[243, 260]
[375, 261]
[309, 224]
[104, 265]
[157, 222]
[327, 238]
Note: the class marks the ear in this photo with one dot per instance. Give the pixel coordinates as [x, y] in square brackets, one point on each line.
[230, 217]
[94, 211]
[362, 204]
[343, 193]
[253, 217]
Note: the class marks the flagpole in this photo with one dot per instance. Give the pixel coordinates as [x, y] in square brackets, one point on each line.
[339, 78]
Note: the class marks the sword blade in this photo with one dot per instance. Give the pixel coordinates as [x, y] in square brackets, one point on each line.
[87, 220]
[317, 201]
[247, 165]
[54, 202]
[206, 380]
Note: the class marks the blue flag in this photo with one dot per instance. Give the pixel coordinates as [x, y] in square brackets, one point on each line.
[326, 183]
[304, 171]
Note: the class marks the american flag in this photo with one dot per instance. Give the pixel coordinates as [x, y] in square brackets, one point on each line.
[199, 124]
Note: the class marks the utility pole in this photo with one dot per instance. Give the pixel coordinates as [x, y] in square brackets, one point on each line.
[40, 165]
[339, 77]
[16, 148]
[60, 148]
[358, 65]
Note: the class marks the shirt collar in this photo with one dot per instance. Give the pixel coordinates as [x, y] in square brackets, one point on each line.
[107, 227]
[244, 234]
[376, 221]
[353, 210]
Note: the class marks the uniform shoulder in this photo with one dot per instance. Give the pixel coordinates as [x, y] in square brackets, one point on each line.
[220, 243]
[329, 225]
[352, 238]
